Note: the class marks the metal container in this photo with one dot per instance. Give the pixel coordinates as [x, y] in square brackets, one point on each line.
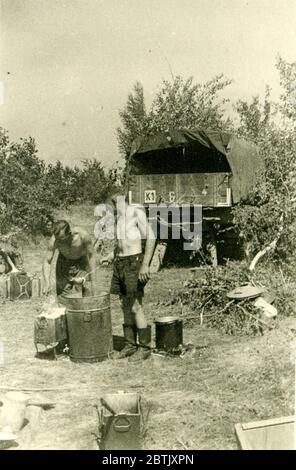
[89, 327]
[19, 286]
[120, 422]
[50, 328]
[168, 333]
[118, 342]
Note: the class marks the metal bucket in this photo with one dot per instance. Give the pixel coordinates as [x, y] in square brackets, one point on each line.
[89, 327]
[168, 333]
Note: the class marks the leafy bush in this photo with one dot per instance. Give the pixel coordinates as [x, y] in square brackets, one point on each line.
[30, 190]
[24, 204]
[270, 211]
[208, 292]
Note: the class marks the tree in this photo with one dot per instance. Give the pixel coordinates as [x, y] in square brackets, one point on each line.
[24, 204]
[179, 103]
[182, 103]
[30, 190]
[269, 214]
[254, 118]
[134, 119]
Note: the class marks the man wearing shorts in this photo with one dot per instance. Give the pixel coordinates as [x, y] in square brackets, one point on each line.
[131, 273]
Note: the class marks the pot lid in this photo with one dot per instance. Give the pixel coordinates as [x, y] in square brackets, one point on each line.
[245, 292]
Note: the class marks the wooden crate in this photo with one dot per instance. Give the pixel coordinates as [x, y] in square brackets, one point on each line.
[270, 434]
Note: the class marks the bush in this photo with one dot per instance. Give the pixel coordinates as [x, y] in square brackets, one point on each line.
[208, 294]
[30, 190]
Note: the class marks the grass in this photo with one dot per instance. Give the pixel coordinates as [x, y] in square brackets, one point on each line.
[193, 402]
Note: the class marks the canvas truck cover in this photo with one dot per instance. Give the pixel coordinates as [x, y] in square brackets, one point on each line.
[242, 156]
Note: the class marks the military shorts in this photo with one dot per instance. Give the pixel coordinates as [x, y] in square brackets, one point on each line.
[125, 279]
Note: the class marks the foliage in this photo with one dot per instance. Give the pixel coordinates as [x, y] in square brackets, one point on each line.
[254, 117]
[30, 190]
[182, 103]
[134, 120]
[270, 211]
[207, 294]
[24, 204]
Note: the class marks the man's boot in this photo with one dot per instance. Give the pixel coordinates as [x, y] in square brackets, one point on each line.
[130, 340]
[144, 348]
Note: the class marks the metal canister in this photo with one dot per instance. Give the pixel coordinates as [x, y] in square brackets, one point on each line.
[168, 333]
[89, 327]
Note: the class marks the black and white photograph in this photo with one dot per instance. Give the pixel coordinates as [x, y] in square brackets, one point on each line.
[147, 227]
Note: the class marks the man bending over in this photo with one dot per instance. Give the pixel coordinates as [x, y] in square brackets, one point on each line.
[76, 260]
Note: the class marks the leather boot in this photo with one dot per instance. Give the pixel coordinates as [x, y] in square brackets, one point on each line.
[130, 340]
[144, 348]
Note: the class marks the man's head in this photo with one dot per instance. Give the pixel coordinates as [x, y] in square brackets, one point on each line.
[62, 230]
[118, 201]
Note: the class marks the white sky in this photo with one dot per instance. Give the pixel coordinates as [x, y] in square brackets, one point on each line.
[68, 65]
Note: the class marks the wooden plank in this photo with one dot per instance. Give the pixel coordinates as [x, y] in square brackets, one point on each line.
[241, 438]
[196, 188]
[163, 185]
[208, 189]
[272, 434]
[158, 257]
[268, 422]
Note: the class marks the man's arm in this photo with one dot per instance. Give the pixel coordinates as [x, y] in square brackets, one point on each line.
[46, 268]
[91, 257]
[147, 233]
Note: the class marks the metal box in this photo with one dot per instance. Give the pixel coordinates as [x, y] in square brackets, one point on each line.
[120, 419]
[270, 434]
[50, 328]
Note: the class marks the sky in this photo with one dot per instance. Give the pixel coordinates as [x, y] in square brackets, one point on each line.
[67, 66]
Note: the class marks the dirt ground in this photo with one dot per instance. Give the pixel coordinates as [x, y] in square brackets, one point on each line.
[193, 403]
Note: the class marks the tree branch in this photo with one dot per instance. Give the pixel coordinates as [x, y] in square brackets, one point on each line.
[268, 248]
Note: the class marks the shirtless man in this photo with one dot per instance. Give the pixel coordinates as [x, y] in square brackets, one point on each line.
[130, 274]
[75, 261]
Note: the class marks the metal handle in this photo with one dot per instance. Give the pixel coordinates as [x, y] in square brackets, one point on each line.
[87, 317]
[122, 427]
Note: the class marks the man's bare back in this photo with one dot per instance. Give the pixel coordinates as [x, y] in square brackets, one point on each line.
[77, 247]
[75, 260]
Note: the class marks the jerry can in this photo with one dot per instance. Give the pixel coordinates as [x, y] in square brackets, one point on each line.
[19, 286]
